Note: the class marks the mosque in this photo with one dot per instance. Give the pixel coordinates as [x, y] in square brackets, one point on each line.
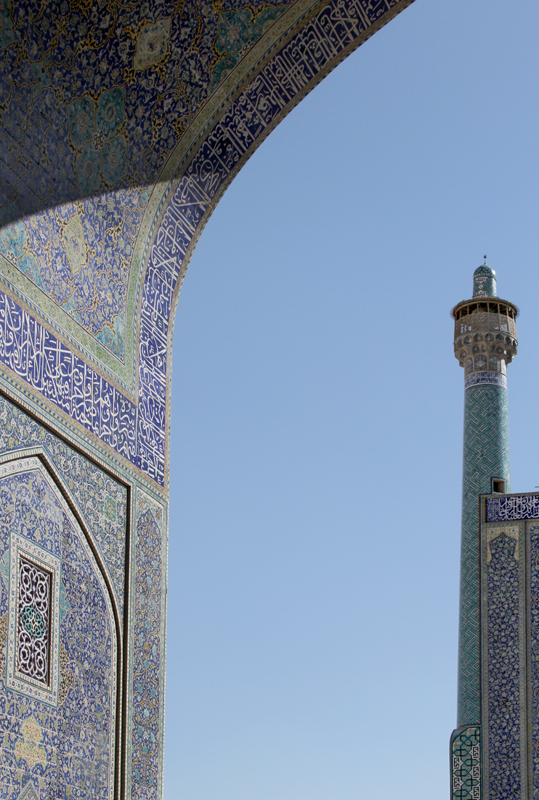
[121, 125]
[494, 749]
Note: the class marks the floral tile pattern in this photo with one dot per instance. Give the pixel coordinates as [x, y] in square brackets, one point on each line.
[137, 430]
[101, 500]
[122, 124]
[503, 665]
[148, 664]
[97, 100]
[39, 750]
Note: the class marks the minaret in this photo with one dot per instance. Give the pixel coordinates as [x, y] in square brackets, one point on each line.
[485, 342]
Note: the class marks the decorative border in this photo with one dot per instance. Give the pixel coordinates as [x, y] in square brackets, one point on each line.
[485, 379]
[465, 755]
[146, 691]
[20, 546]
[64, 380]
[503, 665]
[513, 506]
[532, 593]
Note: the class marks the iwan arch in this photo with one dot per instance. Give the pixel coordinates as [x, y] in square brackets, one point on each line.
[122, 126]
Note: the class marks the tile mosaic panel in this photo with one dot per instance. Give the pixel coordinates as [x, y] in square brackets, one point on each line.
[112, 118]
[466, 764]
[485, 379]
[67, 749]
[101, 94]
[515, 506]
[136, 430]
[533, 653]
[486, 455]
[33, 620]
[101, 501]
[503, 667]
[79, 255]
[148, 658]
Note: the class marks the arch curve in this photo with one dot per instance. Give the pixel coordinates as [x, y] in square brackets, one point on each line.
[94, 247]
[75, 675]
[122, 125]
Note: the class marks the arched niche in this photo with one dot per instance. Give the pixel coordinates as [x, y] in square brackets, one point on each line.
[60, 649]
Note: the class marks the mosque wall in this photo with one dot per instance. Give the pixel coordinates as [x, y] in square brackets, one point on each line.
[81, 711]
[121, 125]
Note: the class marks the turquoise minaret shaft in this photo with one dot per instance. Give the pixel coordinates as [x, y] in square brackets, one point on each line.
[485, 342]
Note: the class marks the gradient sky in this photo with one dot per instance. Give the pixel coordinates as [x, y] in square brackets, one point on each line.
[317, 415]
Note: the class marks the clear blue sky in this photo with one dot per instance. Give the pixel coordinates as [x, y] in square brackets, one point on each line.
[317, 415]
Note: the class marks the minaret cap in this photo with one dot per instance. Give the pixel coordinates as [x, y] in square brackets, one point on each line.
[484, 281]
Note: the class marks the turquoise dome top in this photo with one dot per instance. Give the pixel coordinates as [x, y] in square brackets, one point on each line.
[484, 281]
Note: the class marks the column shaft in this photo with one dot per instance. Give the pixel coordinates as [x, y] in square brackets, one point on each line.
[486, 456]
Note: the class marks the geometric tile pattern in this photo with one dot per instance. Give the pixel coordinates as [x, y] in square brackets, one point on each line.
[466, 764]
[32, 654]
[503, 664]
[486, 455]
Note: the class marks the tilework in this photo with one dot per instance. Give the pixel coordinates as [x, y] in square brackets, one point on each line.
[533, 648]
[486, 455]
[28, 793]
[251, 117]
[63, 379]
[106, 121]
[503, 666]
[485, 379]
[101, 501]
[514, 506]
[136, 430]
[465, 750]
[98, 96]
[17, 678]
[34, 619]
[68, 750]
[123, 123]
[484, 282]
[79, 255]
[148, 659]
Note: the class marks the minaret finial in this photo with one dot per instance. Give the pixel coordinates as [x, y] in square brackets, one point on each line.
[484, 281]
